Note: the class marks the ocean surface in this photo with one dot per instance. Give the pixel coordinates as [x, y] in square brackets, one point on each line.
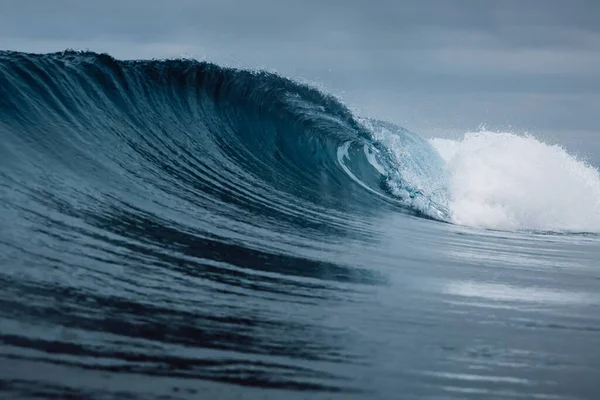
[174, 229]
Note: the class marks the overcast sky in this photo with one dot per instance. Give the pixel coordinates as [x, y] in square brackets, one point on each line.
[435, 66]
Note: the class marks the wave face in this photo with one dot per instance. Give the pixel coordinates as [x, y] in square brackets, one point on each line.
[195, 131]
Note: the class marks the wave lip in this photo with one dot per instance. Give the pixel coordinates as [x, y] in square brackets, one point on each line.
[511, 182]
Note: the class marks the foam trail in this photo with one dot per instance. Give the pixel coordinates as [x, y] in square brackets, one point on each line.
[512, 182]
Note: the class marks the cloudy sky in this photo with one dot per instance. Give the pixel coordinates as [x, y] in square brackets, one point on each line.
[435, 66]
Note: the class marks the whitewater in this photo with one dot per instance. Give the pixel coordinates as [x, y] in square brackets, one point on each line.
[513, 182]
[174, 229]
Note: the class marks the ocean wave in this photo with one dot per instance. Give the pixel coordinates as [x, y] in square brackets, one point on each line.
[245, 139]
[174, 226]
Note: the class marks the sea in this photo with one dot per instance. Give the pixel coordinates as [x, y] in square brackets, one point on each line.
[175, 229]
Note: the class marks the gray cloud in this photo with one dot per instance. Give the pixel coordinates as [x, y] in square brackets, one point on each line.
[434, 65]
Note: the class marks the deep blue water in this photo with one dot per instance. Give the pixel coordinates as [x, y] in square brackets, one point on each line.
[174, 229]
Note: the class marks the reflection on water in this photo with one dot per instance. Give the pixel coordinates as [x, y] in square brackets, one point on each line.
[498, 292]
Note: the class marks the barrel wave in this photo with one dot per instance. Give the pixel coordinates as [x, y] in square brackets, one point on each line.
[204, 134]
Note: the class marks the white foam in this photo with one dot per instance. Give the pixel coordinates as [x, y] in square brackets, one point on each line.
[512, 182]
